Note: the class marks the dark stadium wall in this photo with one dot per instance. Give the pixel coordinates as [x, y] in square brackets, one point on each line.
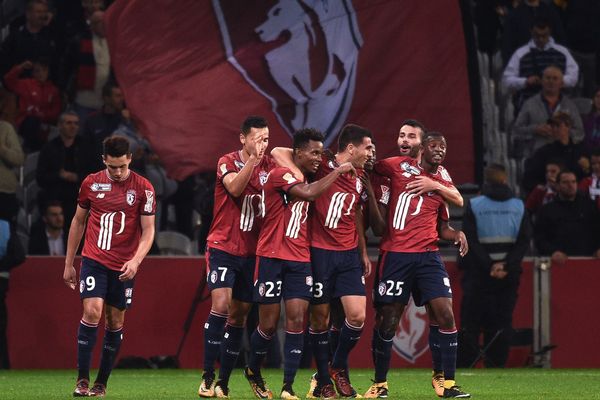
[192, 70]
[44, 315]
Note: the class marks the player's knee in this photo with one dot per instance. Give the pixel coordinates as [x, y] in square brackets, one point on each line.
[356, 318]
[92, 314]
[294, 323]
[445, 318]
[318, 323]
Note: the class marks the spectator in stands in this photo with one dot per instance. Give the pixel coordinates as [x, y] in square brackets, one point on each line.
[591, 185]
[63, 163]
[101, 124]
[523, 73]
[73, 17]
[11, 255]
[591, 123]
[531, 129]
[583, 39]
[569, 225]
[48, 236]
[32, 41]
[86, 68]
[11, 157]
[573, 155]
[498, 230]
[520, 20]
[542, 194]
[39, 102]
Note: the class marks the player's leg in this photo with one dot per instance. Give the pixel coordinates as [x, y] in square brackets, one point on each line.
[297, 292]
[437, 375]
[220, 267]
[434, 287]
[119, 297]
[92, 287]
[336, 321]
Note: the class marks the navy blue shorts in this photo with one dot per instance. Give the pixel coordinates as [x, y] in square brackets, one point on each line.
[98, 281]
[400, 274]
[336, 274]
[275, 279]
[224, 270]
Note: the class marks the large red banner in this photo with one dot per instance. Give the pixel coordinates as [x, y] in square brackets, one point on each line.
[192, 70]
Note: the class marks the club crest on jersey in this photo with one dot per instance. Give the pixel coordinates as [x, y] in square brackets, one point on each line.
[101, 187]
[382, 287]
[239, 164]
[81, 286]
[130, 197]
[213, 276]
[309, 281]
[262, 177]
[358, 186]
[409, 169]
[261, 290]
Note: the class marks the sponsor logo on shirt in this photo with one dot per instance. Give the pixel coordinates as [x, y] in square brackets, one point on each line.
[101, 187]
[262, 177]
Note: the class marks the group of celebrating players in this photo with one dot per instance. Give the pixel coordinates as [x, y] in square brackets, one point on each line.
[288, 225]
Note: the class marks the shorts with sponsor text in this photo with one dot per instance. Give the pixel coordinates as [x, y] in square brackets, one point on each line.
[336, 274]
[95, 280]
[224, 270]
[276, 279]
[400, 274]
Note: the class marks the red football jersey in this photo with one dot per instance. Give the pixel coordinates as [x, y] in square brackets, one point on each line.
[332, 218]
[381, 190]
[411, 220]
[284, 233]
[236, 220]
[113, 226]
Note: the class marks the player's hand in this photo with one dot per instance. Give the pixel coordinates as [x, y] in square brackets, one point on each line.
[533, 80]
[256, 147]
[558, 257]
[543, 130]
[367, 265]
[26, 64]
[70, 276]
[460, 240]
[346, 167]
[422, 184]
[497, 271]
[129, 269]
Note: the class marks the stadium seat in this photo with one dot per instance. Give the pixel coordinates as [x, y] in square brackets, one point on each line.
[31, 192]
[24, 239]
[584, 105]
[29, 168]
[173, 243]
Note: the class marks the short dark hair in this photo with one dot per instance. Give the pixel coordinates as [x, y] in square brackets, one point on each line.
[115, 146]
[556, 161]
[51, 203]
[108, 88]
[563, 172]
[432, 135]
[354, 134]
[253, 121]
[415, 124]
[495, 174]
[29, 5]
[541, 23]
[305, 135]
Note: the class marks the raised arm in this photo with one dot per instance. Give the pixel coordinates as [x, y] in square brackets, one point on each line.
[310, 191]
[423, 184]
[284, 157]
[235, 182]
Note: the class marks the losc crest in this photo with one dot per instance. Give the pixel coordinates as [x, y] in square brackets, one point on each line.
[300, 54]
[412, 335]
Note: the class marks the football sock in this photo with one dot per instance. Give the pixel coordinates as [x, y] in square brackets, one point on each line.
[320, 347]
[259, 344]
[383, 356]
[434, 347]
[349, 336]
[334, 340]
[230, 349]
[86, 339]
[292, 354]
[374, 344]
[110, 350]
[213, 334]
[448, 339]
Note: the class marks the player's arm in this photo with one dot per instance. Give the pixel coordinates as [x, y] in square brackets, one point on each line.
[423, 184]
[236, 182]
[130, 268]
[362, 242]
[310, 191]
[284, 157]
[446, 232]
[75, 235]
[376, 218]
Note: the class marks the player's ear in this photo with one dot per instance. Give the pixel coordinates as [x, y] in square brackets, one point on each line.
[242, 138]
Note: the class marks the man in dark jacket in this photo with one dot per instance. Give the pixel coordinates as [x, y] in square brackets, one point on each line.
[498, 230]
[11, 255]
